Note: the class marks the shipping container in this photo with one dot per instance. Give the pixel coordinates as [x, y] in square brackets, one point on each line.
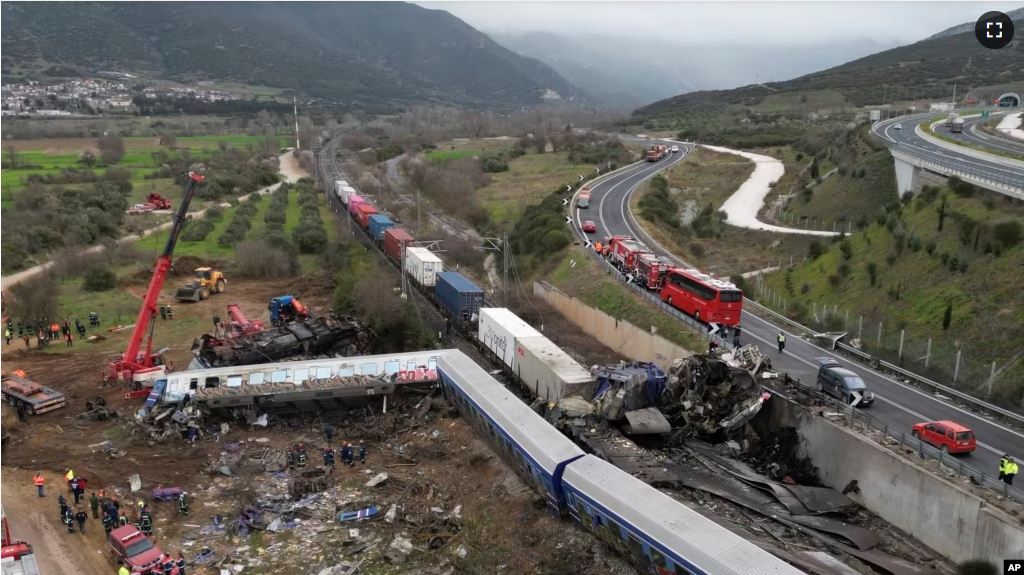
[458, 296]
[393, 242]
[347, 191]
[364, 211]
[339, 186]
[422, 266]
[353, 203]
[498, 330]
[378, 224]
[549, 372]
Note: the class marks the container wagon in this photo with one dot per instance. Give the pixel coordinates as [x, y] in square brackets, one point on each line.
[458, 296]
[395, 239]
[422, 266]
[354, 201]
[548, 371]
[498, 330]
[363, 212]
[379, 223]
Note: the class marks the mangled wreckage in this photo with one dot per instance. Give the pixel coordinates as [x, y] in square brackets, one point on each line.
[310, 338]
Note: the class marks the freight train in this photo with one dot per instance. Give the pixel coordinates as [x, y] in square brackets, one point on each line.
[657, 533]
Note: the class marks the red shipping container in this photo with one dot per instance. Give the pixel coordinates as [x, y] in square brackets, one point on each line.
[353, 203]
[393, 239]
[365, 211]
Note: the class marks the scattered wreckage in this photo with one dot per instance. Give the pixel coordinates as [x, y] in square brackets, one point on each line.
[309, 338]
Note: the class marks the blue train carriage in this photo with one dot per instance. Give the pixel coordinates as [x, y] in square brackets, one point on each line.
[378, 224]
[536, 450]
[657, 533]
[458, 296]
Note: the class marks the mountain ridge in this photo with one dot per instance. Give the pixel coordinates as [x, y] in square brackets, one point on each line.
[362, 54]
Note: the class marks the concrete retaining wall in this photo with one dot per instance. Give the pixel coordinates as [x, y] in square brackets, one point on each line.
[634, 342]
[940, 514]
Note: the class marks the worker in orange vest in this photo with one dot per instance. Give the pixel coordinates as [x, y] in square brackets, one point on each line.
[40, 482]
[54, 330]
[68, 477]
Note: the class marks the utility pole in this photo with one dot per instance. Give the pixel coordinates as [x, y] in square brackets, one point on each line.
[500, 245]
[418, 210]
[295, 109]
[954, 96]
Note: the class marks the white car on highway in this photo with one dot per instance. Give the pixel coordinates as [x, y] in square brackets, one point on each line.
[898, 127]
[675, 149]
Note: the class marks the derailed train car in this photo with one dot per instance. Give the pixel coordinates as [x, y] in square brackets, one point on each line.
[657, 533]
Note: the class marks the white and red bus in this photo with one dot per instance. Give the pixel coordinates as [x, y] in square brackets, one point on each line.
[702, 296]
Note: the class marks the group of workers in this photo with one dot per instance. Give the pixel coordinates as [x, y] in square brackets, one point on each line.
[46, 334]
[298, 458]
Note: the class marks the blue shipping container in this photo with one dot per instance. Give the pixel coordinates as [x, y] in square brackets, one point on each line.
[378, 224]
[457, 295]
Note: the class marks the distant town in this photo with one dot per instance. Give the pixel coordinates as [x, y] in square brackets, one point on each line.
[91, 96]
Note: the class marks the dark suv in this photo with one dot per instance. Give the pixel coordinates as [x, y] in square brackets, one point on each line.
[836, 380]
[133, 549]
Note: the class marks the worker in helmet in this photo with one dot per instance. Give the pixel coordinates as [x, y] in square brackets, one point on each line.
[302, 454]
[291, 457]
[346, 453]
[183, 503]
[362, 452]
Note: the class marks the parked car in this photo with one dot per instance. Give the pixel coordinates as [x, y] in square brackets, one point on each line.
[836, 380]
[675, 149]
[589, 226]
[133, 549]
[948, 436]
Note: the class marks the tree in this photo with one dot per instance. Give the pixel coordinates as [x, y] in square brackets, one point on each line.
[87, 157]
[168, 140]
[947, 317]
[942, 212]
[12, 156]
[99, 278]
[35, 298]
[476, 123]
[814, 168]
[111, 148]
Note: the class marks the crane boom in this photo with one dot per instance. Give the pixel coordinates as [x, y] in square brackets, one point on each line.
[128, 364]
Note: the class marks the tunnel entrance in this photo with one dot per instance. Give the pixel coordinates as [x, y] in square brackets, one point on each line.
[1009, 100]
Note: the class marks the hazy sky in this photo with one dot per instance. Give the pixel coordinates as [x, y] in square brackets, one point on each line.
[784, 23]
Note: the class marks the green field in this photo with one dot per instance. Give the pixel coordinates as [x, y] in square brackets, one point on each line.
[447, 155]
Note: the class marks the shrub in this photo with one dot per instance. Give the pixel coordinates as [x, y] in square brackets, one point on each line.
[214, 214]
[265, 258]
[947, 317]
[846, 249]
[872, 268]
[197, 230]
[495, 165]
[310, 236]
[805, 288]
[697, 250]
[930, 247]
[1008, 233]
[834, 280]
[99, 278]
[843, 269]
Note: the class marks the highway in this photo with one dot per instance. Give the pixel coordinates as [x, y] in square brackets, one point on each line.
[910, 141]
[897, 405]
[973, 135]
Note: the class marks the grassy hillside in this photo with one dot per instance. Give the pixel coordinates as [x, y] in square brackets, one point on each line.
[930, 66]
[957, 249]
[379, 56]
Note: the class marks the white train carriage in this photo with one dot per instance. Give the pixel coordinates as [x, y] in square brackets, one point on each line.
[658, 533]
[318, 381]
[535, 449]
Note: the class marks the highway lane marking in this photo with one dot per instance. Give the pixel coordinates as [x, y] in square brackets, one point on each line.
[629, 193]
[641, 171]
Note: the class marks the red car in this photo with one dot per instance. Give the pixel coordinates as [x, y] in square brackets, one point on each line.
[133, 549]
[589, 226]
[948, 436]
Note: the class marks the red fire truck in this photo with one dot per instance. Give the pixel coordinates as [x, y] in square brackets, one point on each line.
[624, 252]
[16, 557]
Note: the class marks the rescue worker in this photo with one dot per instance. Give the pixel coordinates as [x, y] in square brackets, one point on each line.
[736, 336]
[1009, 470]
[146, 519]
[328, 431]
[362, 452]
[74, 489]
[7, 335]
[193, 432]
[167, 565]
[782, 341]
[183, 503]
[94, 319]
[180, 563]
[21, 329]
[68, 476]
[40, 482]
[28, 344]
[163, 311]
[68, 339]
[40, 340]
[68, 518]
[712, 348]
[1002, 466]
[346, 453]
[81, 329]
[108, 524]
[170, 312]
[122, 520]
[448, 326]
[123, 571]
[291, 457]
[54, 330]
[62, 503]
[94, 505]
[302, 455]
[329, 458]
[80, 517]
[22, 412]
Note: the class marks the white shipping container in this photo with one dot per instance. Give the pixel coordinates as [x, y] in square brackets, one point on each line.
[339, 185]
[550, 372]
[423, 266]
[498, 329]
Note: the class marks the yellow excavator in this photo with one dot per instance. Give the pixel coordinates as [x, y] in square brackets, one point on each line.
[207, 281]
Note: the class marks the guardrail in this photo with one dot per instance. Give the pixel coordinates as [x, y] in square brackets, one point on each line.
[907, 377]
[922, 449]
[1007, 180]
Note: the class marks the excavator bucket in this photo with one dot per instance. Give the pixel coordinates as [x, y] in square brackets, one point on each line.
[192, 293]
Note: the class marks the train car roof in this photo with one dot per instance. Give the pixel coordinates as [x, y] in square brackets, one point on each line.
[303, 364]
[546, 445]
[705, 545]
[459, 282]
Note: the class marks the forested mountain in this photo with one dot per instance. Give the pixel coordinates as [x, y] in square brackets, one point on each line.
[367, 54]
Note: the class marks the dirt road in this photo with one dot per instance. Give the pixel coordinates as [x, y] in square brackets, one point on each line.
[289, 166]
[36, 522]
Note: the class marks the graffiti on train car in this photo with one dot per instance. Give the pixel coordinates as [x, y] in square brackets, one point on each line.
[417, 375]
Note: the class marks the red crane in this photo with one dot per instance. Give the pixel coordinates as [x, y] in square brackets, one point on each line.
[132, 365]
[240, 324]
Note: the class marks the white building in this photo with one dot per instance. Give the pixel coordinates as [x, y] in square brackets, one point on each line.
[941, 107]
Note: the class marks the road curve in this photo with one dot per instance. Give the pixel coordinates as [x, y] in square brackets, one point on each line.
[898, 405]
[973, 135]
